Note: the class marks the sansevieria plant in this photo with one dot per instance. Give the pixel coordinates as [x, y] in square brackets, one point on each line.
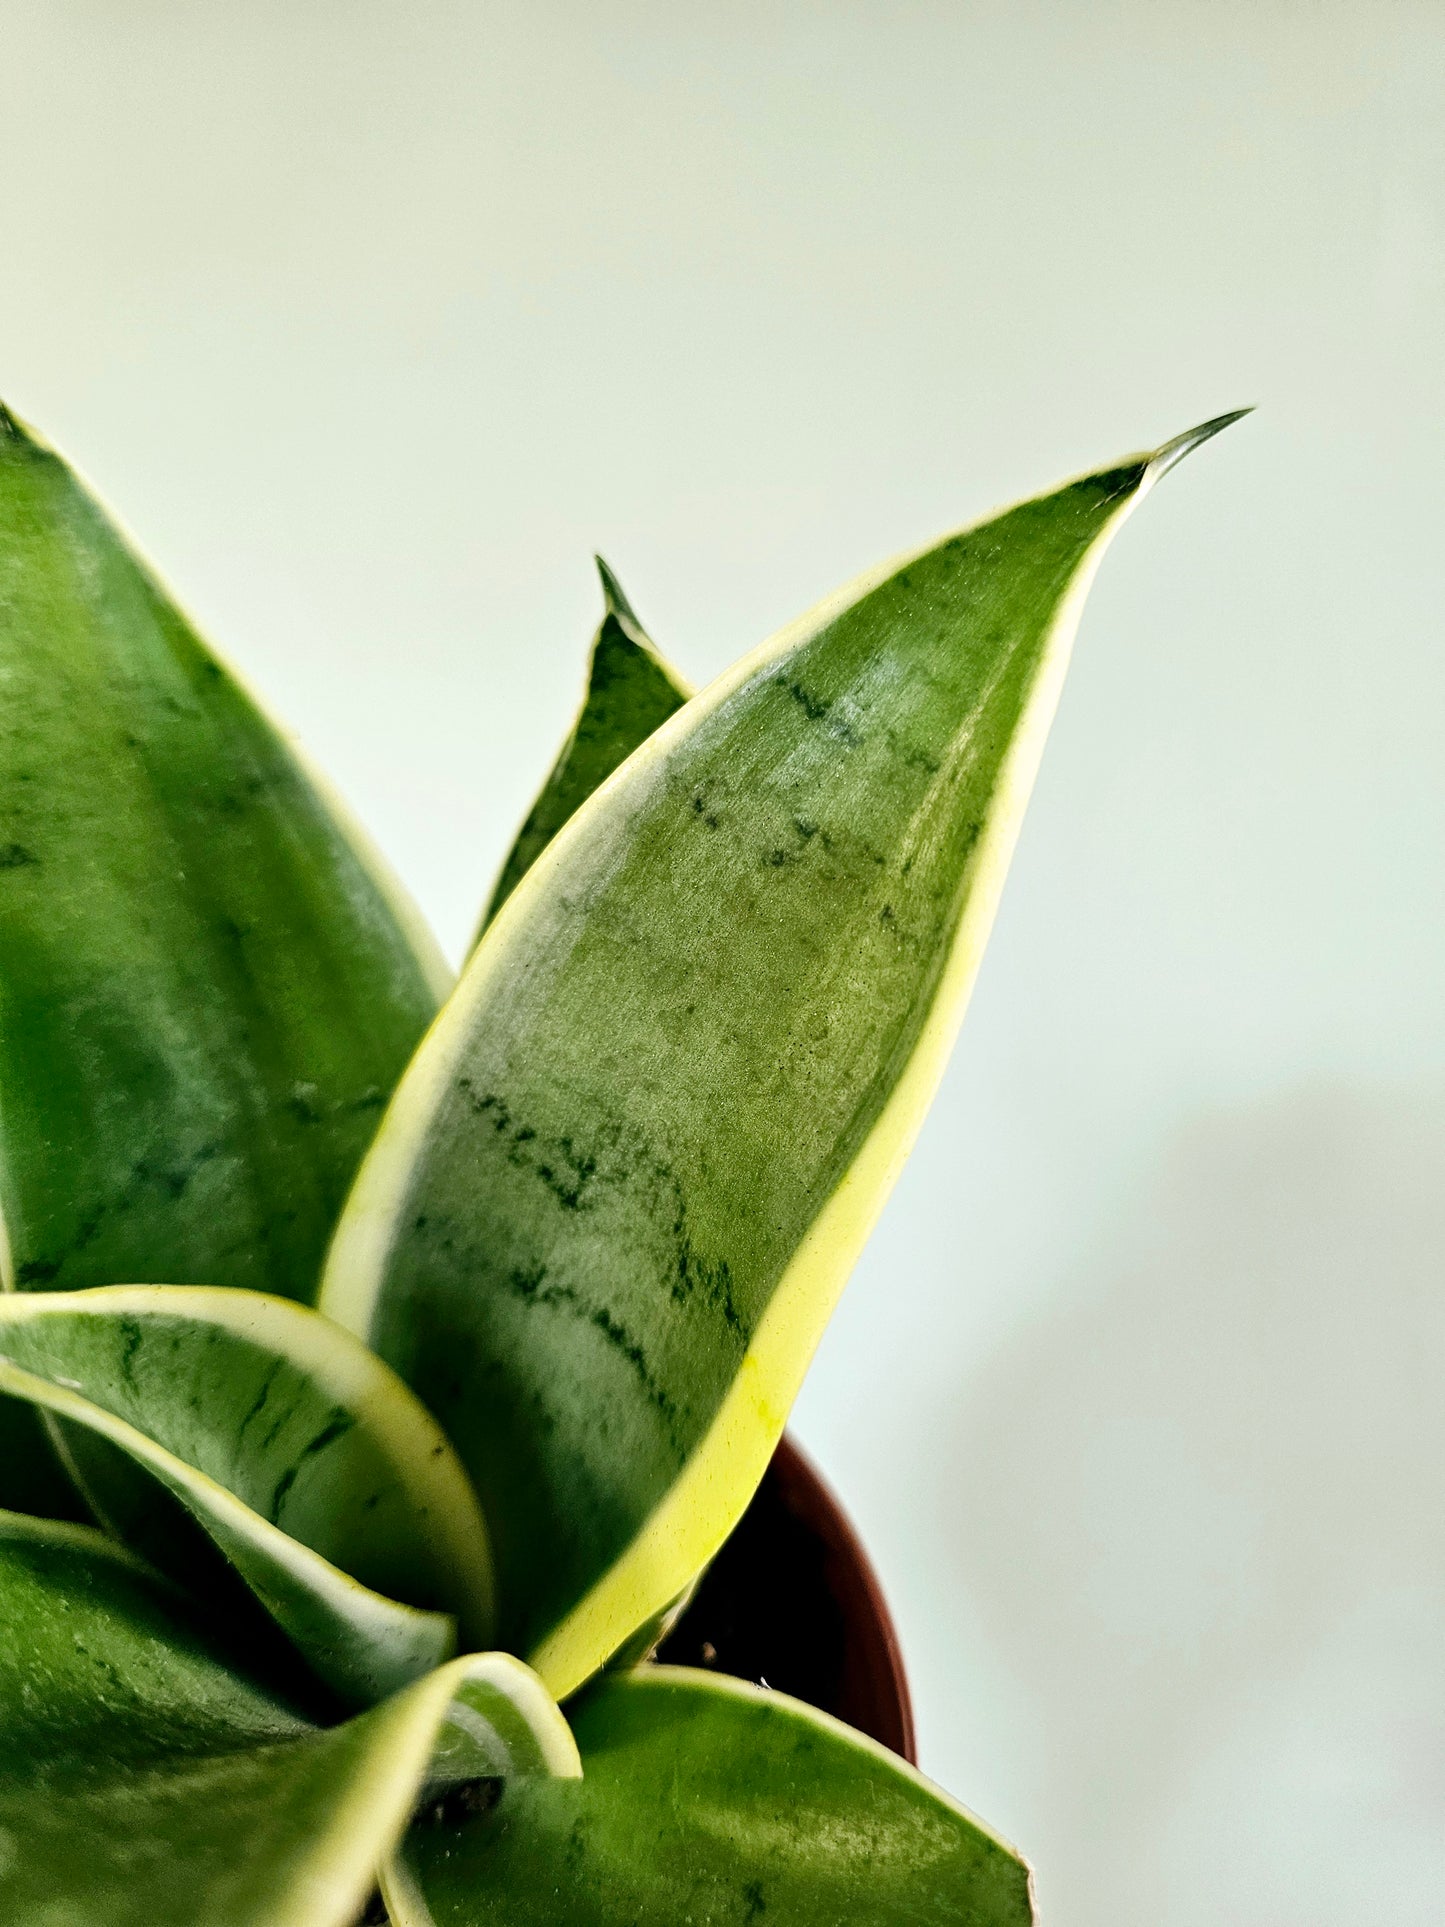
[382, 1360]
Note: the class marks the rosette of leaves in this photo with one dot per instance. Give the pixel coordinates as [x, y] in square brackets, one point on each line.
[381, 1360]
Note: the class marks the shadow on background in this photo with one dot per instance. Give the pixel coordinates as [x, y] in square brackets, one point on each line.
[1201, 1523]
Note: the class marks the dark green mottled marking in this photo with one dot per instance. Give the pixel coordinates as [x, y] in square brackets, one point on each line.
[337, 1428]
[817, 709]
[258, 1403]
[131, 1336]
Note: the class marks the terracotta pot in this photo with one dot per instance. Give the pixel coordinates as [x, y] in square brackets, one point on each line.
[792, 1602]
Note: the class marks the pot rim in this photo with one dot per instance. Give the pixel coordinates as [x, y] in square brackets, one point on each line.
[877, 1681]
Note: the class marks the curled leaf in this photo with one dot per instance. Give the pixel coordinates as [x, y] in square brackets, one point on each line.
[702, 1799]
[143, 1783]
[324, 1482]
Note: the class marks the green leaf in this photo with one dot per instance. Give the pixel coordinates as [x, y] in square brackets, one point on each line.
[145, 1784]
[703, 1799]
[624, 1181]
[631, 692]
[319, 1476]
[207, 986]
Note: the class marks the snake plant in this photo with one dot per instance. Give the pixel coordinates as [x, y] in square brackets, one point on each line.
[383, 1359]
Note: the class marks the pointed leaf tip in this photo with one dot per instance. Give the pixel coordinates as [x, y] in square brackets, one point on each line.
[1165, 458]
[14, 428]
[612, 592]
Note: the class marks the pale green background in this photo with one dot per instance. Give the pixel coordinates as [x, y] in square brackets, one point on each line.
[375, 319]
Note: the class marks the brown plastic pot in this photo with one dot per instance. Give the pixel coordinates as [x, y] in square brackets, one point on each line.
[791, 1602]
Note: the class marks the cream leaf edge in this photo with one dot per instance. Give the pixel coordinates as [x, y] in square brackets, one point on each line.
[422, 1459]
[330, 1886]
[405, 1640]
[656, 1678]
[681, 1536]
[382, 1805]
[725, 1468]
[407, 1904]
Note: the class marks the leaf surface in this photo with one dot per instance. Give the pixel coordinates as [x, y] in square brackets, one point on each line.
[319, 1476]
[208, 987]
[624, 1181]
[703, 1799]
[145, 1784]
[631, 692]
